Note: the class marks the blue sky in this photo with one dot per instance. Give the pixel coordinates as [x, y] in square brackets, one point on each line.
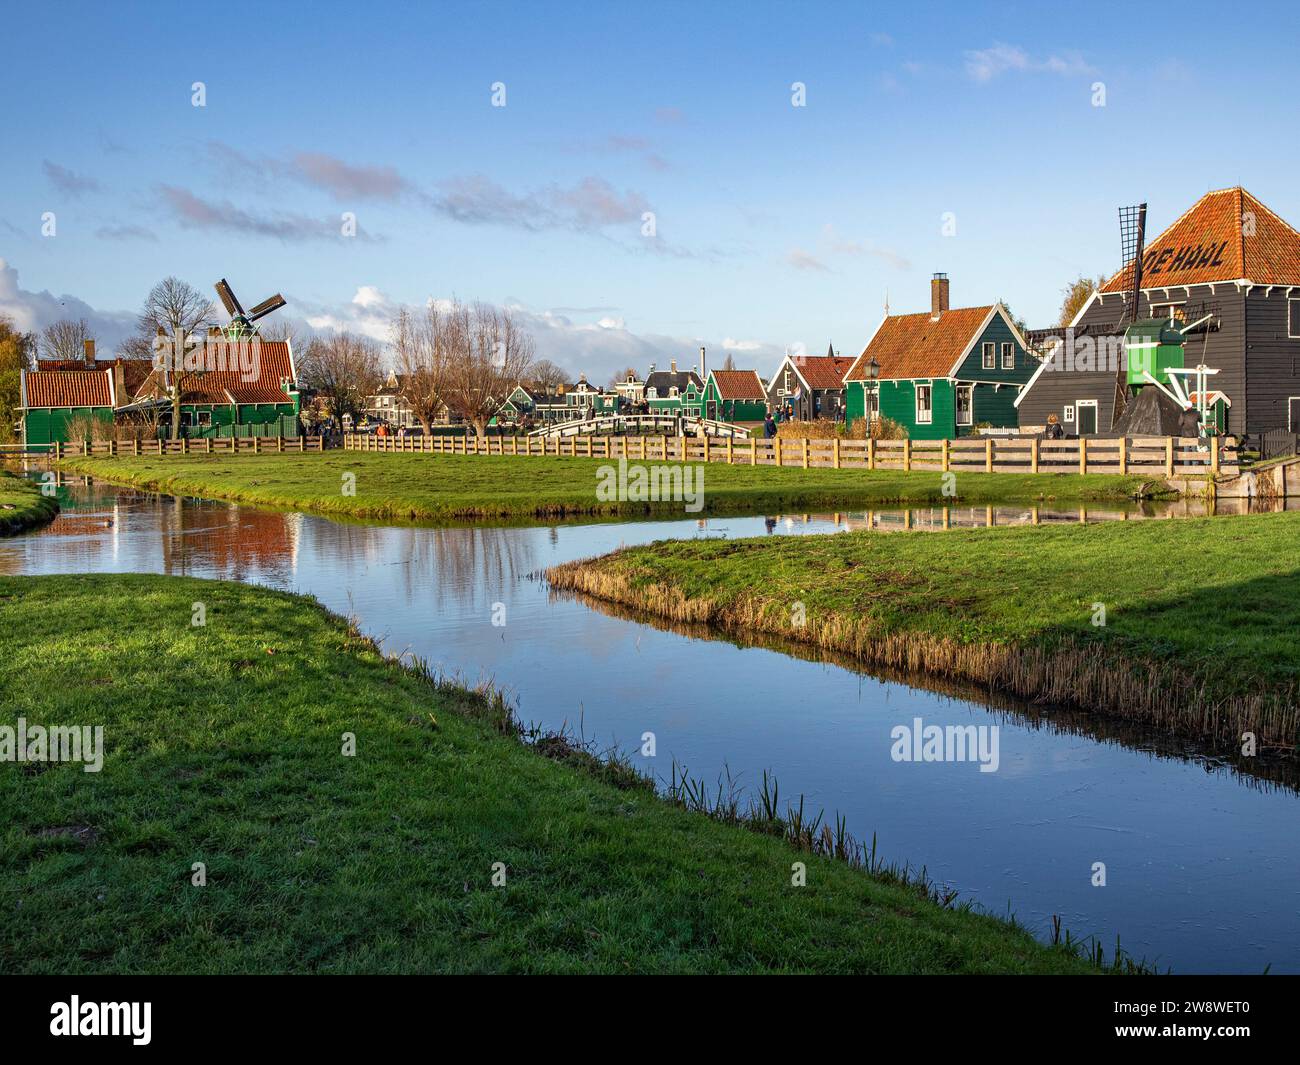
[776, 226]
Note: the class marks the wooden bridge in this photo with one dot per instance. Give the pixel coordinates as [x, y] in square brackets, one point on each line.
[642, 425]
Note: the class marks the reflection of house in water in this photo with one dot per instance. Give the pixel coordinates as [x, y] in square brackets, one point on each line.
[226, 538]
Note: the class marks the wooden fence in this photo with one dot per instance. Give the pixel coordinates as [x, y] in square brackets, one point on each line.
[208, 445]
[1157, 455]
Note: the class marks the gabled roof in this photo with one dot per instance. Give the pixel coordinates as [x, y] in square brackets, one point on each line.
[67, 388]
[739, 384]
[916, 345]
[663, 381]
[822, 371]
[274, 363]
[1226, 235]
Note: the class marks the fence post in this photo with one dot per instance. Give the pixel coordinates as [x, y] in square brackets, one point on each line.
[1033, 455]
[1214, 456]
[806, 447]
[945, 454]
[988, 455]
[871, 453]
[58, 450]
[907, 455]
[681, 444]
[730, 449]
[753, 451]
[776, 450]
[836, 453]
[1083, 454]
[1169, 456]
[207, 444]
[1123, 454]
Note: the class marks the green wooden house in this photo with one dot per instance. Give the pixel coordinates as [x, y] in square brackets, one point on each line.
[261, 400]
[942, 374]
[735, 396]
[673, 391]
[52, 399]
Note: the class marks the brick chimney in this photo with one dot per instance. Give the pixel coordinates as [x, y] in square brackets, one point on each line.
[938, 296]
[88, 347]
[704, 363]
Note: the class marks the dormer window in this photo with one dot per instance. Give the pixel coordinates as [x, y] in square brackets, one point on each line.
[1008, 356]
[989, 355]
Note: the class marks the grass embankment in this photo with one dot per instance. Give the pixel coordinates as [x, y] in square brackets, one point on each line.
[22, 506]
[460, 488]
[1201, 616]
[224, 747]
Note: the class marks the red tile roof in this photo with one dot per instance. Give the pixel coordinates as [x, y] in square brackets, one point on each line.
[822, 371]
[273, 363]
[1225, 235]
[739, 384]
[68, 388]
[915, 345]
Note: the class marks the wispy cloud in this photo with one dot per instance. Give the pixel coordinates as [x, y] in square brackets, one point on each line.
[803, 260]
[985, 64]
[345, 181]
[67, 181]
[591, 205]
[194, 212]
[125, 232]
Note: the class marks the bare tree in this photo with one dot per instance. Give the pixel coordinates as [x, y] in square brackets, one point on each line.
[728, 363]
[546, 376]
[489, 353]
[174, 310]
[422, 343]
[65, 339]
[282, 329]
[622, 376]
[343, 369]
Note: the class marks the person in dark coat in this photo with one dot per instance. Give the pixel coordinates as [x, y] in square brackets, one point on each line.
[769, 427]
[1189, 422]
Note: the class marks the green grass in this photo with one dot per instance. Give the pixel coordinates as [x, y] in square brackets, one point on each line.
[22, 506]
[460, 488]
[1202, 616]
[223, 747]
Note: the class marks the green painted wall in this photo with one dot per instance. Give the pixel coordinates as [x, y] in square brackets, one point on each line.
[898, 401]
[49, 425]
[731, 410]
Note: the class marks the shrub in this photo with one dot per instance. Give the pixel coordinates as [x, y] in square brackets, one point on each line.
[822, 429]
[882, 428]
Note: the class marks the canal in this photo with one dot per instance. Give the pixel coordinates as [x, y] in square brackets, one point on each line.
[1202, 861]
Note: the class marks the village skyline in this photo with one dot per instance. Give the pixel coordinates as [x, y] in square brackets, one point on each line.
[793, 187]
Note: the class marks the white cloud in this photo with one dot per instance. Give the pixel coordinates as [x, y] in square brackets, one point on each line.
[33, 311]
[985, 64]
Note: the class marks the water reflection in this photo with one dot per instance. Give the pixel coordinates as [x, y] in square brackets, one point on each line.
[1203, 862]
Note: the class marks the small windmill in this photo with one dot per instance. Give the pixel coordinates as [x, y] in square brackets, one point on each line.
[242, 323]
[1132, 239]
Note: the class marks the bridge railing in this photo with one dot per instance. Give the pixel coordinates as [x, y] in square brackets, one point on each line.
[1158, 456]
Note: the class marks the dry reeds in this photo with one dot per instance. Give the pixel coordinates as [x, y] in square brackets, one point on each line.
[1093, 678]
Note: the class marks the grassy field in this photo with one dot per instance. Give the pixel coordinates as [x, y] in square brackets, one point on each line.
[22, 506]
[1200, 616]
[224, 747]
[460, 488]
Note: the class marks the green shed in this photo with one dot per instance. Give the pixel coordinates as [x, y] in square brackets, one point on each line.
[51, 400]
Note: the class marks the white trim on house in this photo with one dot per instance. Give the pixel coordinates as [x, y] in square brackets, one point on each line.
[916, 391]
[970, 407]
[865, 347]
[1003, 352]
[997, 309]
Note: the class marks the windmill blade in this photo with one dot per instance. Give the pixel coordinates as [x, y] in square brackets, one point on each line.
[227, 295]
[266, 307]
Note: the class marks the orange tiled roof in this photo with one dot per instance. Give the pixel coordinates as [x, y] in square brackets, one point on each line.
[822, 371]
[914, 345]
[1225, 235]
[68, 388]
[740, 384]
[225, 386]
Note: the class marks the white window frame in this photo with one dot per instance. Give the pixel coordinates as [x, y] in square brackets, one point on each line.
[928, 417]
[970, 407]
[1293, 317]
[1008, 355]
[989, 355]
[1068, 415]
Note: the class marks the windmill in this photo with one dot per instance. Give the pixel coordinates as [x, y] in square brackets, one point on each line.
[241, 321]
[1132, 240]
